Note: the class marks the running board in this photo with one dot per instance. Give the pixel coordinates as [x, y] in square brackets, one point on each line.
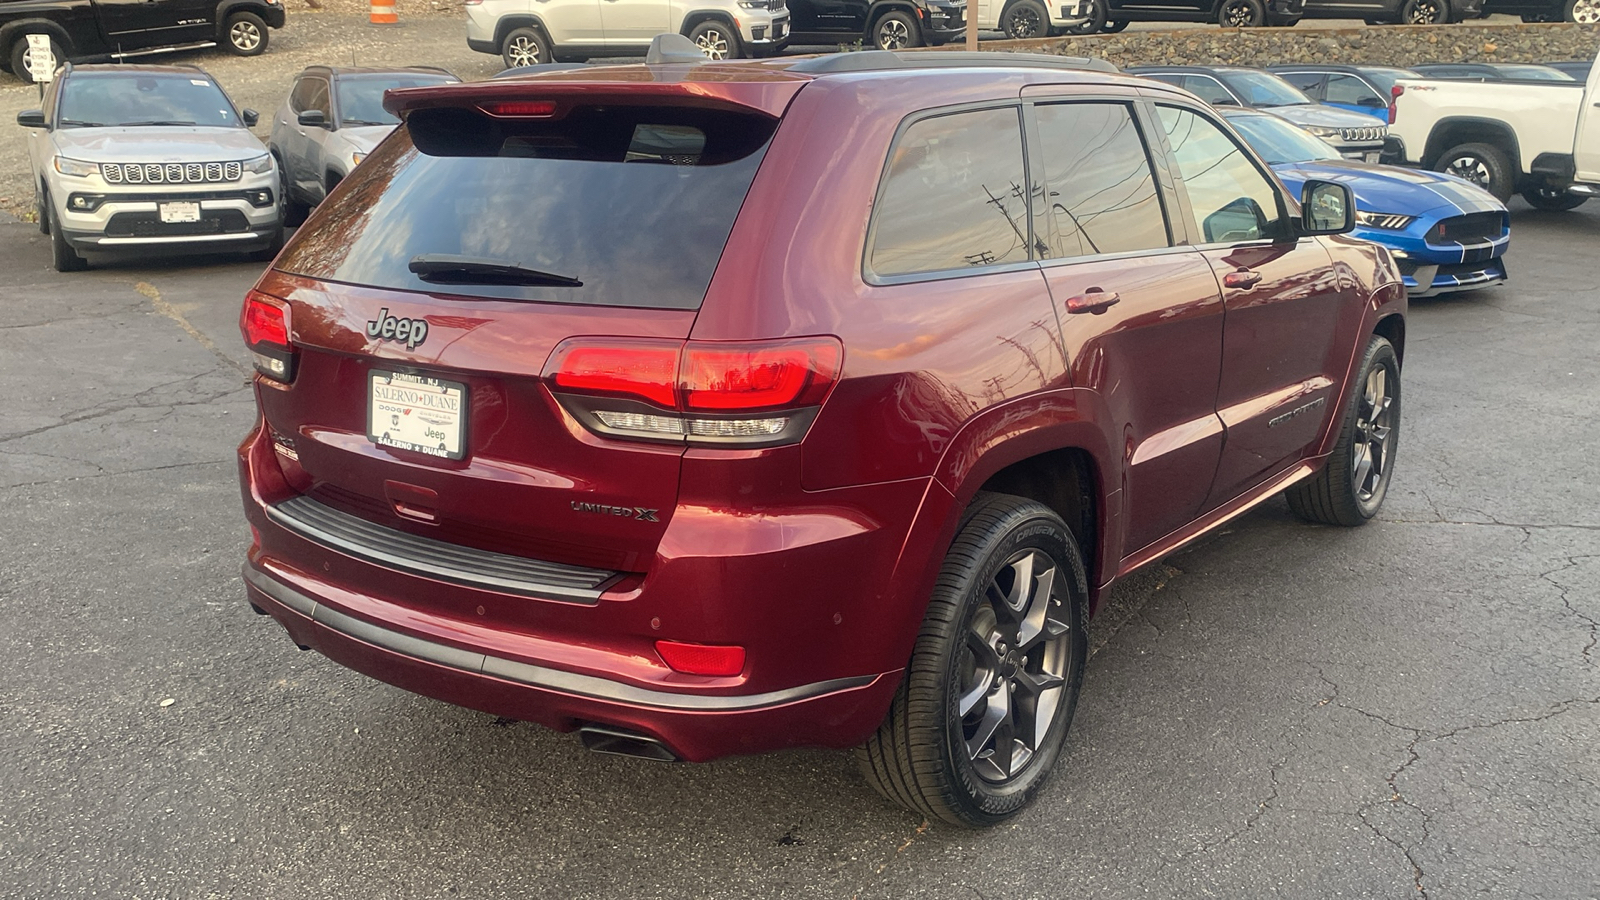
[202, 45]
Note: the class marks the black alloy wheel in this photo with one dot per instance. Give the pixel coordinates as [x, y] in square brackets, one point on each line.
[1552, 199]
[1425, 12]
[1241, 14]
[1095, 22]
[1353, 482]
[1025, 19]
[985, 704]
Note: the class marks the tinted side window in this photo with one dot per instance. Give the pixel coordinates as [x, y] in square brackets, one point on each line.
[1102, 191]
[953, 197]
[1310, 82]
[300, 99]
[1208, 89]
[1228, 196]
[1352, 91]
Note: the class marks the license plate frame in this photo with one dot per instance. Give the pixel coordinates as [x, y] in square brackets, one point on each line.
[178, 212]
[451, 442]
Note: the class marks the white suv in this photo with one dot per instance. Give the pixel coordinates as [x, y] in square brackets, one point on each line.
[1023, 19]
[532, 32]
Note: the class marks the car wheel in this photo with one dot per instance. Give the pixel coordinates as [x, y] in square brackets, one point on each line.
[1025, 19]
[1241, 14]
[1352, 484]
[1097, 20]
[717, 40]
[294, 212]
[525, 47]
[986, 701]
[246, 34]
[42, 211]
[1425, 12]
[1485, 165]
[21, 55]
[62, 256]
[1115, 26]
[1583, 12]
[1552, 199]
[896, 30]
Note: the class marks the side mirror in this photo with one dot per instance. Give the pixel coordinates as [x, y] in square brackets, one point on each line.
[1241, 220]
[313, 118]
[250, 117]
[1326, 208]
[31, 118]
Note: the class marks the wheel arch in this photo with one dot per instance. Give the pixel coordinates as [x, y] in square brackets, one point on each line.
[1453, 131]
[693, 18]
[879, 10]
[508, 24]
[11, 32]
[228, 7]
[1392, 328]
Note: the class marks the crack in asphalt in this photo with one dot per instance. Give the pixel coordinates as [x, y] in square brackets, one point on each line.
[1571, 562]
[105, 474]
[167, 309]
[100, 412]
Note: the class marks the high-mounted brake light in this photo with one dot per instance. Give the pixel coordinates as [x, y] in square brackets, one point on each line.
[701, 659]
[757, 393]
[1394, 100]
[523, 109]
[264, 321]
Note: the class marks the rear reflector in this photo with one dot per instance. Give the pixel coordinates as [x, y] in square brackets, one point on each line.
[264, 321]
[701, 659]
[520, 109]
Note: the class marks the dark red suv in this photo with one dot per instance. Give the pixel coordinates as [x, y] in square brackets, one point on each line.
[718, 408]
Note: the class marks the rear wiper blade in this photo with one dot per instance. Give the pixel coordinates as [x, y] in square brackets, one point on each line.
[447, 268]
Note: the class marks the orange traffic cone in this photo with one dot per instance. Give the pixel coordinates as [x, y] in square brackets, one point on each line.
[383, 13]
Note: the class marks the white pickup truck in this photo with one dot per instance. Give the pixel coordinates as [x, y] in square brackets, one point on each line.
[1542, 139]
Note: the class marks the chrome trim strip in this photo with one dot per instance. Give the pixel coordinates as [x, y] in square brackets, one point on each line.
[181, 239]
[590, 686]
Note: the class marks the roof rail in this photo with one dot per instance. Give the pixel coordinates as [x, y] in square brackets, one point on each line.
[881, 60]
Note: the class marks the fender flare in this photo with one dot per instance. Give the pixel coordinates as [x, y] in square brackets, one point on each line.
[508, 24]
[229, 7]
[1434, 146]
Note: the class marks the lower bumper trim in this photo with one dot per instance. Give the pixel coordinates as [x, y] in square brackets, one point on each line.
[557, 680]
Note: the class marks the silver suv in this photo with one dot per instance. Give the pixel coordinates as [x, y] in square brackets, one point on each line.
[149, 158]
[532, 32]
[330, 121]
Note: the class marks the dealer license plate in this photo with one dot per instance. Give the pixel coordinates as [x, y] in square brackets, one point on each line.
[1374, 156]
[414, 412]
[173, 213]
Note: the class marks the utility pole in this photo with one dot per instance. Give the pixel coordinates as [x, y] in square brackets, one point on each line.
[972, 23]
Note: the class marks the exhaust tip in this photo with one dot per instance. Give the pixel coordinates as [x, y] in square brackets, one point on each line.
[621, 742]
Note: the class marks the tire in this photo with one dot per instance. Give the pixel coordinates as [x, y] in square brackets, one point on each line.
[42, 212]
[62, 256]
[1581, 12]
[1425, 12]
[966, 658]
[1241, 14]
[895, 30]
[717, 40]
[245, 34]
[1115, 26]
[1024, 20]
[1552, 200]
[1097, 20]
[1352, 484]
[525, 47]
[294, 212]
[20, 54]
[1485, 165]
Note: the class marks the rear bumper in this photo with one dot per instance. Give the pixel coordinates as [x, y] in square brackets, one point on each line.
[483, 46]
[695, 726]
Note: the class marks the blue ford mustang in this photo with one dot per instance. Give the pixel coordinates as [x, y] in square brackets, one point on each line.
[1446, 234]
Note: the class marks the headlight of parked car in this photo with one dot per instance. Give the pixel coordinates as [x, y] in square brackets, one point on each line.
[1388, 221]
[76, 167]
[260, 164]
[1322, 131]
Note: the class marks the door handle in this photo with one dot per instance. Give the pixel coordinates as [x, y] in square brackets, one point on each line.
[1241, 279]
[1093, 301]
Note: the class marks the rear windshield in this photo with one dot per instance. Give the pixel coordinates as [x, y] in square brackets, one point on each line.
[613, 206]
[143, 98]
[361, 96]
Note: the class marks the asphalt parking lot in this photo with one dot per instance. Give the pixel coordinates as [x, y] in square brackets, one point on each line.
[1408, 709]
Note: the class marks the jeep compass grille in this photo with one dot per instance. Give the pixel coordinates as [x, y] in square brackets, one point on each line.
[171, 173]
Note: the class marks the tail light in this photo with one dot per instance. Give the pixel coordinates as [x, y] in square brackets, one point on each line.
[761, 393]
[1394, 99]
[701, 659]
[265, 324]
